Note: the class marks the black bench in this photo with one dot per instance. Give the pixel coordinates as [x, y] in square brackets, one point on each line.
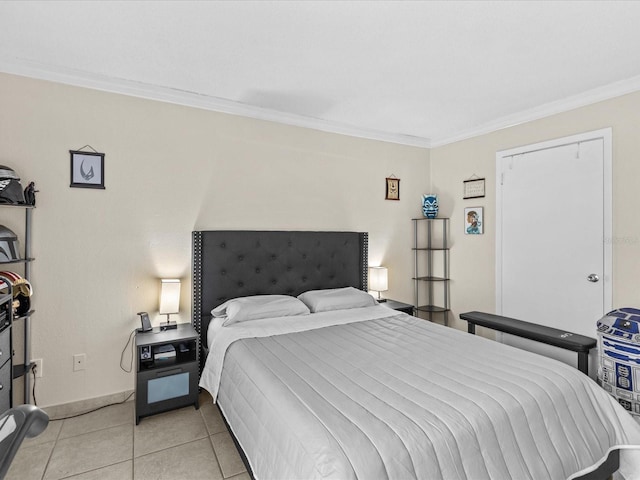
[551, 336]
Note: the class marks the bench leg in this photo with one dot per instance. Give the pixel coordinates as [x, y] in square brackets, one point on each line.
[471, 328]
[583, 362]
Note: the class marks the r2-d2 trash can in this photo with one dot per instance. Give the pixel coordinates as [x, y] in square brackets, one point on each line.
[619, 357]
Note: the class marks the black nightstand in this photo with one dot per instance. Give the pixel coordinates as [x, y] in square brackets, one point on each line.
[167, 370]
[401, 307]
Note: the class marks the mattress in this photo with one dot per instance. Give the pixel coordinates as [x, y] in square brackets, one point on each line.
[371, 393]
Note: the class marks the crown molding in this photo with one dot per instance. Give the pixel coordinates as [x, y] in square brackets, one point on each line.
[589, 97]
[192, 99]
[83, 79]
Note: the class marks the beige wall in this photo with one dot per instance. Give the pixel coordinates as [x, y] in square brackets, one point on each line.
[473, 257]
[170, 170]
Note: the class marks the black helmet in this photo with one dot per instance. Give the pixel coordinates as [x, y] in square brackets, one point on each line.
[22, 291]
[10, 188]
[9, 248]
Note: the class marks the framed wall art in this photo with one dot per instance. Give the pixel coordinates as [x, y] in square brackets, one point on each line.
[474, 220]
[473, 188]
[393, 188]
[87, 169]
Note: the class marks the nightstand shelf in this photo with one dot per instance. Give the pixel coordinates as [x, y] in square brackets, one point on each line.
[167, 370]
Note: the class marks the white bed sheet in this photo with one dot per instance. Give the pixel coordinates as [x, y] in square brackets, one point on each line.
[219, 338]
[337, 402]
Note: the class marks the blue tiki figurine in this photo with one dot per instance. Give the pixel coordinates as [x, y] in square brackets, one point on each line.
[430, 205]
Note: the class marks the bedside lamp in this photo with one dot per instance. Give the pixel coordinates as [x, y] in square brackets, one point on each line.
[169, 301]
[378, 281]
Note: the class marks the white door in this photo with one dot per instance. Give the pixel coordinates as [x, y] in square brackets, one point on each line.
[553, 217]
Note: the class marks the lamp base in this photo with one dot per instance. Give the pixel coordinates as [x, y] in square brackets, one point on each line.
[168, 325]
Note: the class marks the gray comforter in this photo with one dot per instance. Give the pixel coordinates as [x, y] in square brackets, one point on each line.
[402, 398]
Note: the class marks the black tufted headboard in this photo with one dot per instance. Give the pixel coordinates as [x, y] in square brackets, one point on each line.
[237, 263]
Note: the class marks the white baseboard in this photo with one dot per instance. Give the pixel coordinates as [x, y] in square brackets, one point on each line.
[83, 406]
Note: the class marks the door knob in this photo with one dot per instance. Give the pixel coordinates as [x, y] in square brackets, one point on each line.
[593, 278]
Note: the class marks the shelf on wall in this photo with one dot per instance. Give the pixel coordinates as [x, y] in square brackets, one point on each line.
[20, 260]
[21, 370]
[21, 317]
[432, 309]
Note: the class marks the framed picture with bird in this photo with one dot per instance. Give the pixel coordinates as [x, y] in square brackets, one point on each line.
[87, 169]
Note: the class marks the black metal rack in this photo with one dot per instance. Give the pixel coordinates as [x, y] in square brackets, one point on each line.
[431, 267]
[22, 370]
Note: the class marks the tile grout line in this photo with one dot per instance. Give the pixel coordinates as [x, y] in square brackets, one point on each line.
[92, 431]
[215, 454]
[133, 445]
[58, 439]
[213, 448]
[55, 443]
[92, 470]
[171, 447]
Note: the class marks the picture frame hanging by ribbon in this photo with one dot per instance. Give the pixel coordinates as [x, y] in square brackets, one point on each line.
[473, 187]
[87, 169]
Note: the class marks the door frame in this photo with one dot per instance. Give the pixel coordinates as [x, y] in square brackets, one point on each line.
[607, 241]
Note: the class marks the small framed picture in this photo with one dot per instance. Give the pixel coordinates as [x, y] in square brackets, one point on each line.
[393, 189]
[473, 221]
[473, 188]
[87, 169]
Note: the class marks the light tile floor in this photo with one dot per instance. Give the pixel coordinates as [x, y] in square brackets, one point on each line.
[184, 444]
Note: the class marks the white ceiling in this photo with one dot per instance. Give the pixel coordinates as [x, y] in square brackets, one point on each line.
[419, 73]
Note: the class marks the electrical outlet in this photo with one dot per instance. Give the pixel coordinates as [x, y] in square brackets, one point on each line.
[79, 360]
[38, 365]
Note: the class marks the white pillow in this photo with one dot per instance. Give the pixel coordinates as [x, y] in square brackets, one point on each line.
[336, 299]
[259, 306]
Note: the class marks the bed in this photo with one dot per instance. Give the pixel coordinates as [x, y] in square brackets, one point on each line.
[368, 392]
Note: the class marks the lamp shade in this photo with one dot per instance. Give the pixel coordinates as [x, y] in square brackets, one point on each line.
[378, 279]
[169, 295]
